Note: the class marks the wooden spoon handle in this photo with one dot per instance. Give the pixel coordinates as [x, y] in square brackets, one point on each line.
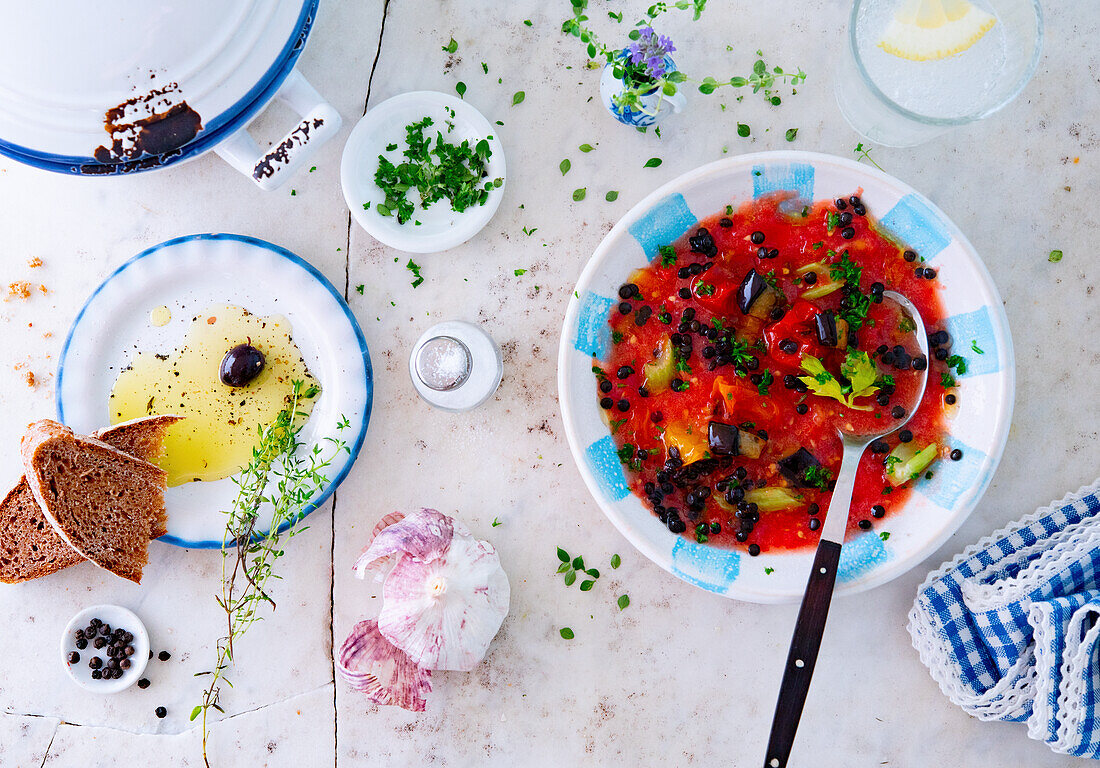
[803, 653]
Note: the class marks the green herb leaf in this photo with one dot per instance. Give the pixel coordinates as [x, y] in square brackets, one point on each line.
[623, 602]
[518, 272]
[518, 97]
[652, 162]
[974, 346]
[195, 712]
[585, 147]
[496, 522]
[616, 561]
[578, 563]
[451, 47]
[564, 166]
[884, 535]
[461, 88]
[611, 196]
[668, 255]
[578, 194]
[570, 577]
[1054, 257]
[359, 289]
[742, 130]
[857, 368]
[593, 572]
[566, 633]
[564, 567]
[563, 555]
[587, 585]
[769, 571]
[791, 134]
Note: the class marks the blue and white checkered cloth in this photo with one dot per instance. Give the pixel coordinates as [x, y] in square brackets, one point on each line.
[1010, 629]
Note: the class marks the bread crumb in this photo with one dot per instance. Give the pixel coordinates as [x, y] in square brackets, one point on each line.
[43, 289]
[18, 290]
[34, 263]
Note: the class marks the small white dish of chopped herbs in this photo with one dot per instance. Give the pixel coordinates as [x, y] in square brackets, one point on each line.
[423, 172]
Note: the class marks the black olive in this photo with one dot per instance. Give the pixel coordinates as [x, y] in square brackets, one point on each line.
[241, 365]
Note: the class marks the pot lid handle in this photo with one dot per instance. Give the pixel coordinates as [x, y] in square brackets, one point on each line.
[271, 168]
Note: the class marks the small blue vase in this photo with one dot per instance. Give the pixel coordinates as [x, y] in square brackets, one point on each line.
[655, 105]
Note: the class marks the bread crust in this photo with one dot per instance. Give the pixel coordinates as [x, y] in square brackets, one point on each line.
[30, 549]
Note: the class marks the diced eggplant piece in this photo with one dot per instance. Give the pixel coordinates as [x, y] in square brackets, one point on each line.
[844, 337]
[794, 467]
[723, 439]
[765, 302]
[773, 498]
[751, 444]
[825, 326]
[728, 440]
[750, 290]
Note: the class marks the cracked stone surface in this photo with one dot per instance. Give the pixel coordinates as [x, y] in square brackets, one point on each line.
[681, 677]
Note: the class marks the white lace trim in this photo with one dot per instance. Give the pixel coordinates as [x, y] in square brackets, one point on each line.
[1012, 695]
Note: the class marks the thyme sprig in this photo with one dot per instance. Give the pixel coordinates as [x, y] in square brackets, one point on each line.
[248, 556]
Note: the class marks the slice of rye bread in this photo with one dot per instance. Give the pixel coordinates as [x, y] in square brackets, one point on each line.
[104, 503]
[29, 546]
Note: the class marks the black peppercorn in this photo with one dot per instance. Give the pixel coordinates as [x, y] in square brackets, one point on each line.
[143, 683]
[160, 712]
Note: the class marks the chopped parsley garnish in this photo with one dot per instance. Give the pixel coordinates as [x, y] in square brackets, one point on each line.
[832, 221]
[668, 255]
[947, 380]
[704, 289]
[818, 477]
[451, 47]
[518, 272]
[765, 381]
[359, 289]
[958, 363]
[454, 172]
[974, 346]
[769, 571]
[616, 337]
[531, 231]
[629, 458]
[496, 522]
[413, 267]
[884, 535]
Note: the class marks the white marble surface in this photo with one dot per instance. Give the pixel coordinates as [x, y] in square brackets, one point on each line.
[681, 677]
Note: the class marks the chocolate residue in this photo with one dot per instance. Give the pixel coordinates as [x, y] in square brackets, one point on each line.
[280, 153]
[150, 124]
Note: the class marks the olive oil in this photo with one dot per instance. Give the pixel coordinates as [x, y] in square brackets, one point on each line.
[219, 431]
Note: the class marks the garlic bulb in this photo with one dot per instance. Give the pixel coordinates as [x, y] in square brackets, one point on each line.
[369, 663]
[444, 612]
[423, 535]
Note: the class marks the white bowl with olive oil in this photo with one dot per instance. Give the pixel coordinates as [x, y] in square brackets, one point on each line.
[151, 338]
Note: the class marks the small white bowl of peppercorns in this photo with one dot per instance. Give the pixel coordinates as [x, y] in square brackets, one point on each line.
[105, 648]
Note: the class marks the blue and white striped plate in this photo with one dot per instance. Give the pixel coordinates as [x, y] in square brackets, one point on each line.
[937, 507]
[186, 275]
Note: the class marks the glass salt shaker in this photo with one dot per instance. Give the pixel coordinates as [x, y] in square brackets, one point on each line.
[456, 366]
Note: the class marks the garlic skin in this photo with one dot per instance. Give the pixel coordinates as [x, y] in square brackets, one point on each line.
[423, 535]
[371, 664]
[445, 611]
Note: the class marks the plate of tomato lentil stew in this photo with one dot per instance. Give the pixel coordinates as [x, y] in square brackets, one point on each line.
[725, 325]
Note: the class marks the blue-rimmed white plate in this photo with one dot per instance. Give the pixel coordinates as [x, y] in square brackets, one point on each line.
[186, 275]
[937, 507]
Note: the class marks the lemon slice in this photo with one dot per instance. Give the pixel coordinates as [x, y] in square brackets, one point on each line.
[925, 30]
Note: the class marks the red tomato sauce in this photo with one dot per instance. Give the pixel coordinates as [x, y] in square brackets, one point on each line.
[744, 371]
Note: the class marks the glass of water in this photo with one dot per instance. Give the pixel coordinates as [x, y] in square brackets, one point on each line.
[901, 98]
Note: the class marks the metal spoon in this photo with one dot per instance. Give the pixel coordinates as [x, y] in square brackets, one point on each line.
[819, 589]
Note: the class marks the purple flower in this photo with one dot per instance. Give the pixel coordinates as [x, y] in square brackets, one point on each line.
[650, 49]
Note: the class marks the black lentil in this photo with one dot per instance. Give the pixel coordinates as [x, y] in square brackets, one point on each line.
[956, 455]
[624, 308]
[815, 523]
[605, 402]
[898, 412]
[757, 237]
[865, 524]
[878, 511]
[848, 233]
[160, 712]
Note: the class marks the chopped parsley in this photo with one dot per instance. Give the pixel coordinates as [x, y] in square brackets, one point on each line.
[518, 272]
[359, 289]
[444, 171]
[413, 267]
[765, 381]
[616, 337]
[818, 477]
[704, 289]
[974, 346]
[668, 255]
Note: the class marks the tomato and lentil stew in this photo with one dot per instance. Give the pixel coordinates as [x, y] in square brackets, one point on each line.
[740, 347]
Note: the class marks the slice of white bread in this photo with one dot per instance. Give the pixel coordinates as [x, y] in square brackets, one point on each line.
[102, 502]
